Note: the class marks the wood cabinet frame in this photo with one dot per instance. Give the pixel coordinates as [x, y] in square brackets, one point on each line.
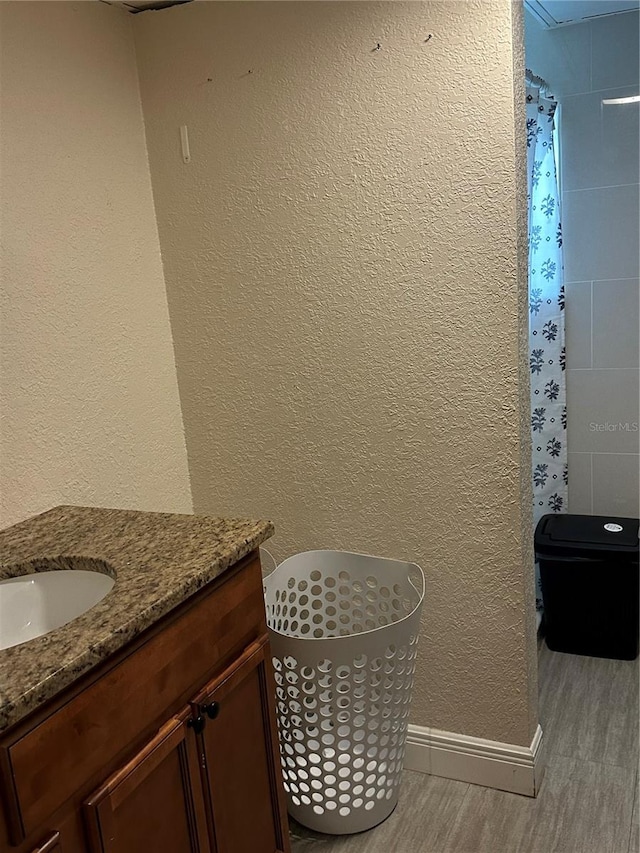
[255, 659]
[159, 685]
[51, 845]
[102, 807]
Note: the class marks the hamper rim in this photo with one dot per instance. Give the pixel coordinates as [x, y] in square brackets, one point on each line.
[409, 564]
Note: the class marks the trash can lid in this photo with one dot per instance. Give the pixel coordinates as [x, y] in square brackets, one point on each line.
[587, 536]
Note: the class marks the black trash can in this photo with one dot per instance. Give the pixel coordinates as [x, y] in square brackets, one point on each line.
[590, 589]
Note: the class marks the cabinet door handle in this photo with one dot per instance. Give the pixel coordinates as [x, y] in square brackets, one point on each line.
[211, 710]
[196, 723]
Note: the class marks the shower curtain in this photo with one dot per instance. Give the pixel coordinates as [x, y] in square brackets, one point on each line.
[546, 315]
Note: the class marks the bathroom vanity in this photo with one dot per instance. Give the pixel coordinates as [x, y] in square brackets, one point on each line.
[146, 723]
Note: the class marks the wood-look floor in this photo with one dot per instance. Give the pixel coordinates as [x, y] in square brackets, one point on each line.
[589, 798]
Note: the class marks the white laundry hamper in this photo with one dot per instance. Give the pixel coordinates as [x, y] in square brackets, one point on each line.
[343, 630]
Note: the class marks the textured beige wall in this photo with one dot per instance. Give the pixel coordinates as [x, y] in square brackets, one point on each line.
[89, 407]
[345, 289]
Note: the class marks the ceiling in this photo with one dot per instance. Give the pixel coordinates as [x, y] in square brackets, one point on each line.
[555, 13]
[136, 6]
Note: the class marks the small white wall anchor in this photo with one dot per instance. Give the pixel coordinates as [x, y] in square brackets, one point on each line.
[184, 141]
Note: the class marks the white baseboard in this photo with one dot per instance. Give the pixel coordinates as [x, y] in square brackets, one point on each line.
[504, 766]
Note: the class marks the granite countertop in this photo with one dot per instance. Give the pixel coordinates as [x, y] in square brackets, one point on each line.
[158, 560]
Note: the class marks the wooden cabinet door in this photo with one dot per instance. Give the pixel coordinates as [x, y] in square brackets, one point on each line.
[242, 764]
[154, 802]
[50, 845]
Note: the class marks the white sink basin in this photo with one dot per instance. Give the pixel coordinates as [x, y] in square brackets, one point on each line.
[34, 604]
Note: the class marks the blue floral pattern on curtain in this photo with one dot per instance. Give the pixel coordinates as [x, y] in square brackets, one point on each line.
[546, 315]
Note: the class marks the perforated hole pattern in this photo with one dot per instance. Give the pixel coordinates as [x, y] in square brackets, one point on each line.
[342, 725]
[325, 605]
[343, 730]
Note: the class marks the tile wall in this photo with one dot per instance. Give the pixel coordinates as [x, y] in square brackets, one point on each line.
[585, 64]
